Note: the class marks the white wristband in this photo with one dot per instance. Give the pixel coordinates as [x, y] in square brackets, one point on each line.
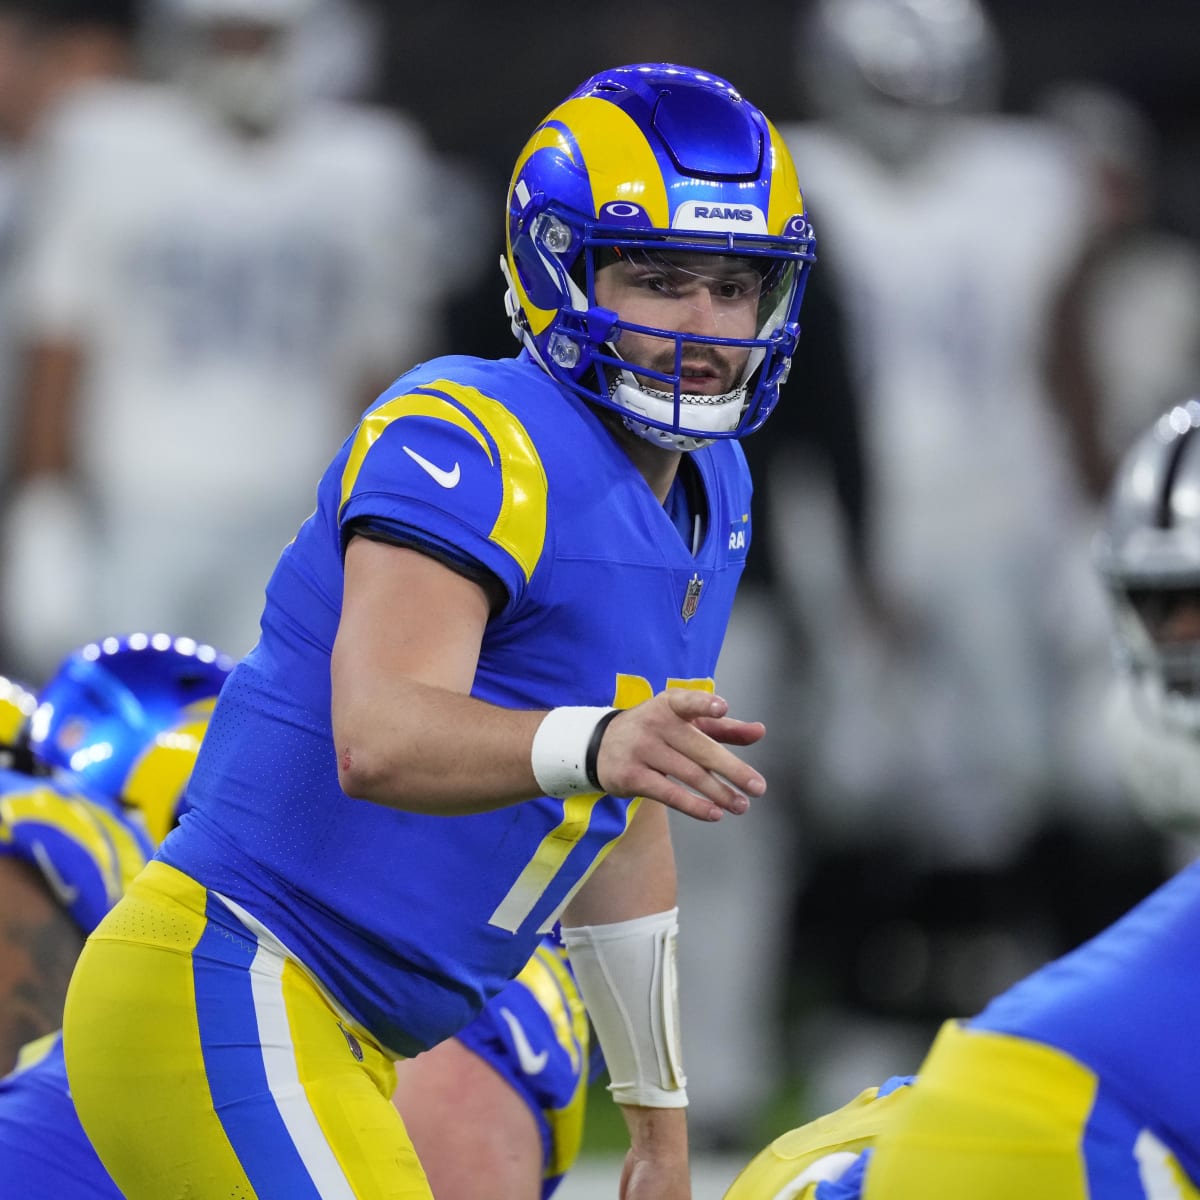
[626, 975]
[560, 751]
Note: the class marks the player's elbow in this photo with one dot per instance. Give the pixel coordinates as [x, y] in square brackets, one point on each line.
[381, 775]
[366, 774]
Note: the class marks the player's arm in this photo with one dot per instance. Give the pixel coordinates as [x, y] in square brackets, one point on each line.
[620, 935]
[408, 734]
[45, 524]
[39, 944]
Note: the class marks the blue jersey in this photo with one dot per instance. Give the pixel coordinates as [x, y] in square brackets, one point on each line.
[44, 1153]
[1124, 1006]
[86, 848]
[411, 921]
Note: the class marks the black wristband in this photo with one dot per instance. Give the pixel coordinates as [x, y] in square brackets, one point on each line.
[593, 747]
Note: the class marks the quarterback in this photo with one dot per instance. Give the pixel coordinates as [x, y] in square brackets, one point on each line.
[485, 677]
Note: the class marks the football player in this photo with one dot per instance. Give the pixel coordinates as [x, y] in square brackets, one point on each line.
[485, 678]
[69, 840]
[203, 325]
[958, 720]
[1082, 1079]
[109, 755]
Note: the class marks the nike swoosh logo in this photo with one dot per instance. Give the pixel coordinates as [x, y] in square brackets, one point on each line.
[447, 479]
[67, 893]
[531, 1063]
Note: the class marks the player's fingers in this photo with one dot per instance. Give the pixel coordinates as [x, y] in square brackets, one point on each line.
[680, 782]
[691, 704]
[705, 757]
[731, 731]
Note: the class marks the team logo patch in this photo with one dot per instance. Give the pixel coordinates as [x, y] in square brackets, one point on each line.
[739, 218]
[691, 598]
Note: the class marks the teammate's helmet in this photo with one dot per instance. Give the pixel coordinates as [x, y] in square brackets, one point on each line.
[126, 715]
[641, 160]
[1149, 555]
[17, 703]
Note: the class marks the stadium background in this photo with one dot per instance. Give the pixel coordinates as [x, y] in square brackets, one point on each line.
[479, 74]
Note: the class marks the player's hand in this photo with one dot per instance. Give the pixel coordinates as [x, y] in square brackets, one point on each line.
[672, 748]
[649, 1179]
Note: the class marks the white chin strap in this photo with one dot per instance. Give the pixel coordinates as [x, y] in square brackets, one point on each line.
[714, 414]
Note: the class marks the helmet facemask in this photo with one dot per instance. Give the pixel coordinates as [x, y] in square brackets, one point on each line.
[658, 379]
[1158, 646]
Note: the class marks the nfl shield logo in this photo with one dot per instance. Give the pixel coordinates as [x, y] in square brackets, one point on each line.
[691, 599]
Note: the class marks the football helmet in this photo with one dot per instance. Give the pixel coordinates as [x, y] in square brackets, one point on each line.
[17, 703]
[1148, 553]
[887, 69]
[235, 56]
[649, 162]
[125, 715]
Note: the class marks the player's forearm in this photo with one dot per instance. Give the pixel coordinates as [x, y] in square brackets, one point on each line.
[426, 749]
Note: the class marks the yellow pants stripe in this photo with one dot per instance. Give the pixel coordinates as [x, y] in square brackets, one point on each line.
[205, 1062]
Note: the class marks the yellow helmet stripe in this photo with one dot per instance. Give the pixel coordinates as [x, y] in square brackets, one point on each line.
[620, 163]
[785, 200]
[157, 779]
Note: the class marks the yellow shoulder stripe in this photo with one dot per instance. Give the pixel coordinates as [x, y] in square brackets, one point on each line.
[520, 525]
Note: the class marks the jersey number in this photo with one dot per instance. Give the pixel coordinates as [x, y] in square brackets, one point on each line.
[512, 912]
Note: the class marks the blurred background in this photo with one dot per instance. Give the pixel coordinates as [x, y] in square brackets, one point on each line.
[225, 225]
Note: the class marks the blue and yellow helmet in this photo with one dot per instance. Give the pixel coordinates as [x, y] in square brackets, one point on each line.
[661, 159]
[17, 704]
[126, 715]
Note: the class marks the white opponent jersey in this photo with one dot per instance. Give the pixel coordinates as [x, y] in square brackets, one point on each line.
[949, 266]
[238, 302]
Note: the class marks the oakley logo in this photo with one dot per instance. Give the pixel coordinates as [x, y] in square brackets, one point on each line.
[626, 211]
[439, 475]
[532, 1063]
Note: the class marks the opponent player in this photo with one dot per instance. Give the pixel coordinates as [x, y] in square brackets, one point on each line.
[203, 326]
[128, 716]
[498, 628]
[1081, 1080]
